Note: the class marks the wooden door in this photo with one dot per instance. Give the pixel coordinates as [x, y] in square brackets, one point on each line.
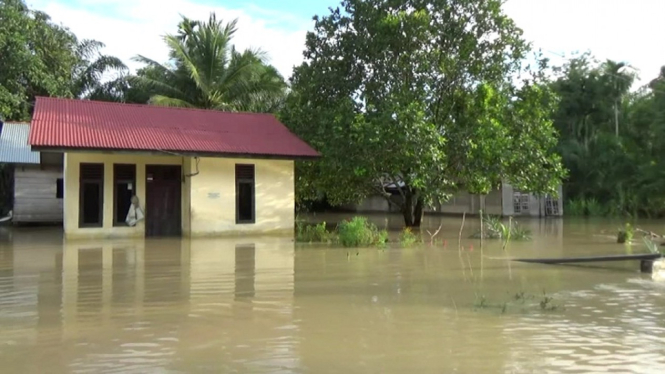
[163, 200]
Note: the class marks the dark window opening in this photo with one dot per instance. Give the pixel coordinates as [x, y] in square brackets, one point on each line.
[59, 190]
[124, 185]
[91, 195]
[245, 194]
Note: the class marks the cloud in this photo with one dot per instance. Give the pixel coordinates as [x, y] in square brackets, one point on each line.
[621, 30]
[131, 27]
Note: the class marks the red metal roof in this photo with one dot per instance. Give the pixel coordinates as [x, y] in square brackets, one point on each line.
[83, 124]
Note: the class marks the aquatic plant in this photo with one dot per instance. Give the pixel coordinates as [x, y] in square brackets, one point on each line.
[651, 246]
[407, 238]
[313, 233]
[359, 232]
[594, 208]
[626, 235]
[494, 228]
[575, 207]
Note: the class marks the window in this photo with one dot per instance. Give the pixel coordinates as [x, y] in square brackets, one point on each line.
[91, 194]
[58, 188]
[245, 194]
[124, 187]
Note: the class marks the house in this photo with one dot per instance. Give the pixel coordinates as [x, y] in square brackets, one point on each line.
[505, 201]
[37, 177]
[190, 172]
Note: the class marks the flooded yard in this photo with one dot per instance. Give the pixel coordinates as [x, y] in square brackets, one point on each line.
[267, 305]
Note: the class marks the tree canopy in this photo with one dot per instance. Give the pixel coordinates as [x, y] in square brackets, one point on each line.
[611, 138]
[420, 96]
[206, 71]
[42, 58]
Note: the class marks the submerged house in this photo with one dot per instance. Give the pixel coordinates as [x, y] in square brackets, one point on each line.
[505, 201]
[140, 170]
[37, 193]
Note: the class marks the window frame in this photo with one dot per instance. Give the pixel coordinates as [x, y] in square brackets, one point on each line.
[117, 181]
[100, 183]
[252, 182]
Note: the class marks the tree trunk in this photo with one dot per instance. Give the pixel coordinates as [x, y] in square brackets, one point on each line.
[418, 211]
[412, 209]
[407, 209]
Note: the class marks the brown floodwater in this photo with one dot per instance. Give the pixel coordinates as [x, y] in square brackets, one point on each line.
[265, 305]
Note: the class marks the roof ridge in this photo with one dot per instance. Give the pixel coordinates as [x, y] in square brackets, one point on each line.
[113, 103]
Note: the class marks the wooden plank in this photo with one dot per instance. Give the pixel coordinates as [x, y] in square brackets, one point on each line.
[572, 260]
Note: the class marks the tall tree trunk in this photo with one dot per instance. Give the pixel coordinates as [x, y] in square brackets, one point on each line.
[418, 212]
[412, 209]
[407, 209]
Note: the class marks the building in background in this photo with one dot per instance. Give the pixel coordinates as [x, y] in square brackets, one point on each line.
[37, 183]
[504, 202]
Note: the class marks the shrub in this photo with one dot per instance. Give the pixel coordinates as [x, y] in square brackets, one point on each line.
[594, 208]
[309, 233]
[575, 207]
[407, 238]
[358, 232]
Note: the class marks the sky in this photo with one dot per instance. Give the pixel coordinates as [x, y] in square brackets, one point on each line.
[623, 30]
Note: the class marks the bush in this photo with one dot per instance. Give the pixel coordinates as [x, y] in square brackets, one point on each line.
[358, 232]
[575, 207]
[494, 228]
[309, 233]
[594, 208]
[407, 238]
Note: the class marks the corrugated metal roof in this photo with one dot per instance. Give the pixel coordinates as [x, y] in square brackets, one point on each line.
[68, 123]
[14, 147]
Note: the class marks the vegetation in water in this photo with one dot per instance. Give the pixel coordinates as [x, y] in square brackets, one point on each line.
[519, 302]
[359, 232]
[313, 233]
[407, 237]
[626, 234]
[575, 207]
[651, 246]
[495, 228]
[419, 131]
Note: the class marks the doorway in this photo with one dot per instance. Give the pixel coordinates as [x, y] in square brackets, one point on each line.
[163, 201]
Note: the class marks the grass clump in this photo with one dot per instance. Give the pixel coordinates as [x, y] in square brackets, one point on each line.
[310, 233]
[494, 228]
[359, 232]
[407, 238]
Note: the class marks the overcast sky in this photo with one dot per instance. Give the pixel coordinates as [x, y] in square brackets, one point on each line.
[629, 31]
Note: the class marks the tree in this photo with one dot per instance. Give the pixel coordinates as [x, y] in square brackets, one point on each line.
[40, 58]
[418, 95]
[37, 59]
[96, 76]
[206, 71]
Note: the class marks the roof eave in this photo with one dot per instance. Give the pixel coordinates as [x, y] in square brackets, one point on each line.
[174, 153]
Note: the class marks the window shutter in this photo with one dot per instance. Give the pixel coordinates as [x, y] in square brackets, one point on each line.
[245, 172]
[92, 171]
[124, 172]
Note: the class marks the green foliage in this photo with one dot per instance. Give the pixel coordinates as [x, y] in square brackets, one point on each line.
[575, 207]
[611, 139]
[651, 246]
[206, 71]
[407, 237]
[494, 228]
[41, 58]
[359, 232]
[419, 96]
[308, 233]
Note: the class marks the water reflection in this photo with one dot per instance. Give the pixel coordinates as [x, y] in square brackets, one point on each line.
[266, 305]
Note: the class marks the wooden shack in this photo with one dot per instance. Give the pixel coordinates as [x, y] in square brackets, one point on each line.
[38, 178]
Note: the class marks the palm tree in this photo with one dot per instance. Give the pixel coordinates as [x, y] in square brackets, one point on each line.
[206, 71]
[96, 76]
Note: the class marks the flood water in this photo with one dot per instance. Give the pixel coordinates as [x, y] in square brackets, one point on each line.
[265, 305]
